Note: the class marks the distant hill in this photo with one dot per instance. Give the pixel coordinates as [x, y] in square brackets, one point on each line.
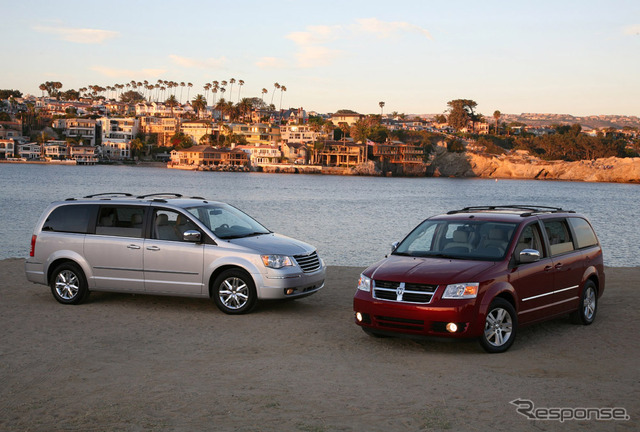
[593, 122]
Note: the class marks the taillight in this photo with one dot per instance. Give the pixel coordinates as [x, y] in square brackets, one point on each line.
[33, 245]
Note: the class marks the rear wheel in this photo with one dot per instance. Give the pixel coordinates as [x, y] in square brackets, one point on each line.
[234, 292]
[588, 307]
[500, 326]
[69, 284]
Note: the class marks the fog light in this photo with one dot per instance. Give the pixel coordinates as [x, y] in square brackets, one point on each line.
[290, 291]
[358, 316]
[452, 327]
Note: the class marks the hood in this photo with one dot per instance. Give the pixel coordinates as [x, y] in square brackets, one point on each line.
[433, 271]
[274, 244]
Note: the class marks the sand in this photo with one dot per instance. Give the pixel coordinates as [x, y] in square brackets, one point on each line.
[138, 363]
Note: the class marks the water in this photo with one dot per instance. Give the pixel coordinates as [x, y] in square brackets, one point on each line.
[351, 220]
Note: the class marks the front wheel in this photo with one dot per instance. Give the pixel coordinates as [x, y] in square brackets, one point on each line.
[69, 284]
[499, 327]
[234, 292]
[588, 307]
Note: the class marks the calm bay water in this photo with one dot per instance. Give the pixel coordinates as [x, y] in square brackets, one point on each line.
[351, 220]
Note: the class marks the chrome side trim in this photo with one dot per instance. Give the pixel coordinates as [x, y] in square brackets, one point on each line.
[550, 292]
[171, 272]
[118, 269]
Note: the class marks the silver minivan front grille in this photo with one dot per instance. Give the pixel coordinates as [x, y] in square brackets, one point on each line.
[309, 263]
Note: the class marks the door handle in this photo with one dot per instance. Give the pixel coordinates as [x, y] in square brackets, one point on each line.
[548, 268]
[153, 248]
[133, 246]
[558, 266]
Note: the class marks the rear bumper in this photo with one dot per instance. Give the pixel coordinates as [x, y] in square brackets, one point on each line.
[35, 273]
[416, 319]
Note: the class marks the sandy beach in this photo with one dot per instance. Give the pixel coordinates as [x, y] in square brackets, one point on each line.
[147, 363]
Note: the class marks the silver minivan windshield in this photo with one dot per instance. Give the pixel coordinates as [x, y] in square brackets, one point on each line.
[227, 222]
[458, 239]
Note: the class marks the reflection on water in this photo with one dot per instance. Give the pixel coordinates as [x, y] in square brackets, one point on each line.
[351, 220]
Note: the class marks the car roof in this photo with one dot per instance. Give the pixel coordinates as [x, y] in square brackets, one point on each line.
[173, 199]
[504, 213]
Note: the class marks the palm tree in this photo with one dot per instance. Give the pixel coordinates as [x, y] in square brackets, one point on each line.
[264, 92]
[282, 90]
[276, 86]
[206, 87]
[189, 85]
[496, 115]
[172, 102]
[381, 107]
[240, 84]
[182, 84]
[199, 103]
[43, 88]
[231, 81]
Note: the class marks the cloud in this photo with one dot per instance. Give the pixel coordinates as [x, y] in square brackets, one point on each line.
[79, 35]
[209, 63]
[313, 44]
[633, 30]
[128, 73]
[388, 29]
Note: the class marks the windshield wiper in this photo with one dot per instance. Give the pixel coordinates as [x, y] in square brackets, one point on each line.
[251, 234]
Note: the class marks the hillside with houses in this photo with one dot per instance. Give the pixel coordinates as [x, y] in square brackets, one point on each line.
[251, 135]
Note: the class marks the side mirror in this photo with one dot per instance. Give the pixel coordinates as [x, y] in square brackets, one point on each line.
[192, 236]
[394, 246]
[528, 256]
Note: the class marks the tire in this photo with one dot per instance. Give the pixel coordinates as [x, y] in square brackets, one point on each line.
[234, 292]
[69, 284]
[500, 325]
[588, 306]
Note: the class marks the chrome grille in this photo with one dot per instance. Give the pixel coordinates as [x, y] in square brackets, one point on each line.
[403, 292]
[309, 263]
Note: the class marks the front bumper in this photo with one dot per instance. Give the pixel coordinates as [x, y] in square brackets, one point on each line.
[417, 319]
[290, 285]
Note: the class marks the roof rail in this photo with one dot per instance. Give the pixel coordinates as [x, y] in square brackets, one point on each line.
[109, 194]
[528, 210]
[169, 194]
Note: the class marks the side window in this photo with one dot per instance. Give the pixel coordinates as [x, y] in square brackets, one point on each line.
[530, 238]
[120, 221]
[70, 218]
[559, 237]
[585, 236]
[171, 225]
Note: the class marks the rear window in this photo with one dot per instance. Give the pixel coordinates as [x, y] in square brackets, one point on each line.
[69, 218]
[585, 236]
[120, 221]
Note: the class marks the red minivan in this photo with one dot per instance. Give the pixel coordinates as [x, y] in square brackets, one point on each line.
[482, 272]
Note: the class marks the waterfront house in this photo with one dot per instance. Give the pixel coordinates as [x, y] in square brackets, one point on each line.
[79, 128]
[7, 148]
[56, 149]
[342, 153]
[83, 154]
[213, 156]
[115, 150]
[261, 154]
[300, 134]
[29, 151]
[397, 152]
[295, 152]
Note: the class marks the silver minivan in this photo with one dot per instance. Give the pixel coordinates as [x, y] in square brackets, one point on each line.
[166, 244]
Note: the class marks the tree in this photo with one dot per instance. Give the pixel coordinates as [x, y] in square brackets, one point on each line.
[132, 96]
[359, 131]
[199, 104]
[6, 94]
[179, 140]
[461, 112]
[440, 119]
[276, 86]
[282, 90]
[136, 147]
[264, 91]
[381, 107]
[71, 95]
[496, 116]
[172, 102]
[240, 84]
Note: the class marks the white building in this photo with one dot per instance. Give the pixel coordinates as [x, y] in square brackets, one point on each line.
[261, 154]
[116, 150]
[300, 134]
[119, 128]
[29, 151]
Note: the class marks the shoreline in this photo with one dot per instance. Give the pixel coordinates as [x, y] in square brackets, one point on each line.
[123, 362]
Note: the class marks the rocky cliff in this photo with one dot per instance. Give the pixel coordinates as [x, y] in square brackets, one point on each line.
[521, 165]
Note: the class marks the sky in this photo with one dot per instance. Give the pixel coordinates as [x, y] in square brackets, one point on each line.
[563, 57]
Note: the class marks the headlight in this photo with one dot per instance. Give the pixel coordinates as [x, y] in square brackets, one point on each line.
[461, 291]
[276, 261]
[364, 283]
